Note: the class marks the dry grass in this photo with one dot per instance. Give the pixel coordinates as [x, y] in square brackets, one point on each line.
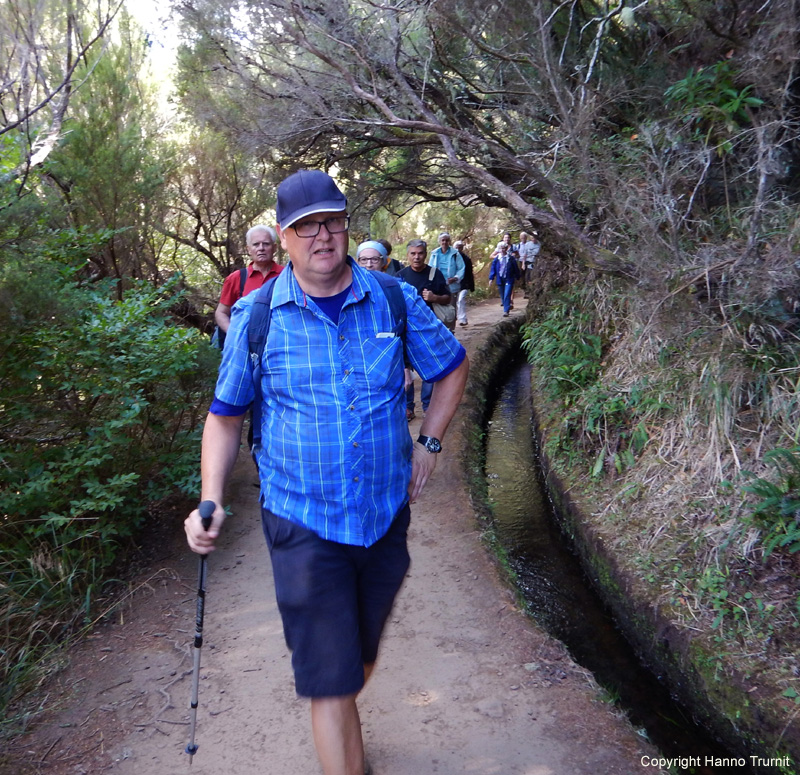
[679, 518]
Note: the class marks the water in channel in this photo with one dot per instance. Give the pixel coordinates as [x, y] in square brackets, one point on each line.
[558, 593]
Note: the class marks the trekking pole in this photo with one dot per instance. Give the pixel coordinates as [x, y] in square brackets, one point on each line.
[206, 509]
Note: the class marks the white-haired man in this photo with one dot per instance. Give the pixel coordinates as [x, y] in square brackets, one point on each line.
[261, 241]
[528, 249]
[467, 285]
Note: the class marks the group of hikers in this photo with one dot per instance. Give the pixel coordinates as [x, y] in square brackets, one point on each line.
[338, 467]
[443, 279]
[511, 263]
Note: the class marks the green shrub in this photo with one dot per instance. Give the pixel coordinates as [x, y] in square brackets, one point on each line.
[99, 416]
[709, 99]
[608, 424]
[613, 423]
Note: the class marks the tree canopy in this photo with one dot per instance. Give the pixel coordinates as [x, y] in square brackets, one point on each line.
[563, 113]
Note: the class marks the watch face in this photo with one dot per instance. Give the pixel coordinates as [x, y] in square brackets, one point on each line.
[432, 445]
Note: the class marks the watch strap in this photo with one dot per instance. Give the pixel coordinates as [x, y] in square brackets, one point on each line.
[430, 443]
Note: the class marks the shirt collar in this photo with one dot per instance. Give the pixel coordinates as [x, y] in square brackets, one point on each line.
[273, 270]
[288, 289]
[361, 282]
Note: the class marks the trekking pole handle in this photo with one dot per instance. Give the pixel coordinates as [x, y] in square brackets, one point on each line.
[206, 510]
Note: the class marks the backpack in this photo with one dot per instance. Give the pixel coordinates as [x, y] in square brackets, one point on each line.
[445, 312]
[258, 330]
[218, 337]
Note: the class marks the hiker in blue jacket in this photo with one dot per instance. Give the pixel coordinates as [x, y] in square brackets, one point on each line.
[505, 272]
[338, 467]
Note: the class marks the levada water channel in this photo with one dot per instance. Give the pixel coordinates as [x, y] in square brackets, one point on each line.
[558, 594]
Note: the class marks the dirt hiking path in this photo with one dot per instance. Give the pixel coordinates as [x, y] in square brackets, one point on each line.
[464, 682]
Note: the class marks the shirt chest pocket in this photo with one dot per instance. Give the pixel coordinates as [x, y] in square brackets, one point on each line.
[382, 365]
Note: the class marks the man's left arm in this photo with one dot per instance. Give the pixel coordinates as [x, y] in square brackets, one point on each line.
[446, 396]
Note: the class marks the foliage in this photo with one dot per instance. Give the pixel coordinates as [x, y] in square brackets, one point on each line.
[99, 417]
[42, 45]
[614, 423]
[607, 422]
[437, 102]
[737, 612]
[604, 422]
[769, 332]
[778, 508]
[215, 194]
[709, 97]
[110, 168]
[564, 348]
[407, 100]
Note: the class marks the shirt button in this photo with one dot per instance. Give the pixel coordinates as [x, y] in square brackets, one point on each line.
[355, 443]
[351, 407]
[355, 478]
[347, 371]
[341, 338]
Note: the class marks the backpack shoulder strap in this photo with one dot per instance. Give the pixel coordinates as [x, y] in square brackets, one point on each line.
[397, 302]
[397, 306]
[242, 280]
[257, 332]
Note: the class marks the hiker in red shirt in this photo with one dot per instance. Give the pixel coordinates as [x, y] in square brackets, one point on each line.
[261, 242]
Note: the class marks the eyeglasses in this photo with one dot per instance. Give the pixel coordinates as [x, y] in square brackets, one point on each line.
[335, 225]
[370, 260]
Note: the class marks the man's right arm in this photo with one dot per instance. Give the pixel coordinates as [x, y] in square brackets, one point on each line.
[221, 439]
[436, 298]
[227, 298]
[222, 316]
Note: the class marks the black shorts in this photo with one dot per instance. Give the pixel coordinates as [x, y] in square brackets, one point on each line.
[334, 600]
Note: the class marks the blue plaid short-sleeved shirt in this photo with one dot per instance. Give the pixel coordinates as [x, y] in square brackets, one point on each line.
[336, 451]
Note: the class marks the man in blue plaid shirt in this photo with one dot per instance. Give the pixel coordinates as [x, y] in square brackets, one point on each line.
[337, 465]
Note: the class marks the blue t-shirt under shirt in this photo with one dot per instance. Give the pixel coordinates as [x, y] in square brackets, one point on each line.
[332, 305]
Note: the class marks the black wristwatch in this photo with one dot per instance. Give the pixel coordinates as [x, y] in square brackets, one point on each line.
[431, 444]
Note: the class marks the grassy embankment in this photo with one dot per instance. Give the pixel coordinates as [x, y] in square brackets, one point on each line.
[671, 447]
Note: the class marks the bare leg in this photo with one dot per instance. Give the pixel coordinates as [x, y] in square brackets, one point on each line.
[337, 735]
[368, 668]
[337, 732]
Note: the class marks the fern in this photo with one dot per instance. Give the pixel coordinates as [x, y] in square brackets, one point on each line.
[778, 510]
